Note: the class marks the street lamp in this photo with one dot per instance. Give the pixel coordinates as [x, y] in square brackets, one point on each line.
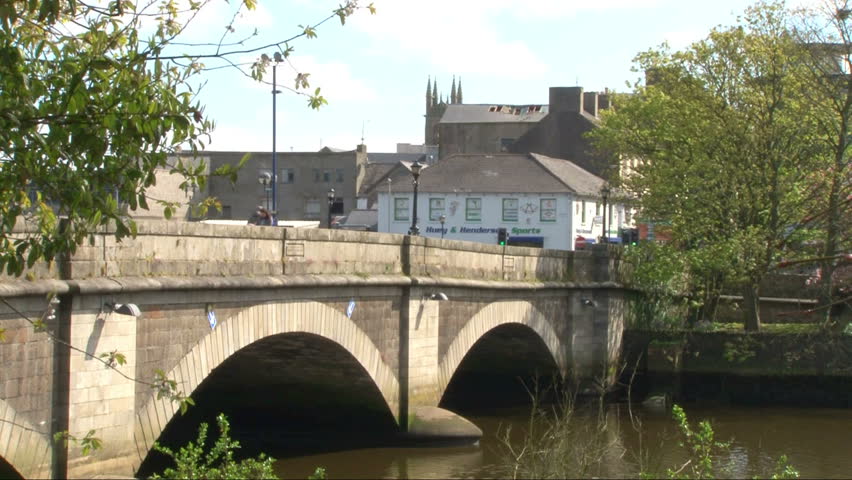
[274, 213]
[442, 219]
[605, 191]
[330, 203]
[415, 172]
[265, 178]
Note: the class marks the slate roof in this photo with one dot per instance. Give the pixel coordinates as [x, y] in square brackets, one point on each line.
[470, 113]
[392, 157]
[373, 174]
[367, 219]
[505, 173]
[575, 178]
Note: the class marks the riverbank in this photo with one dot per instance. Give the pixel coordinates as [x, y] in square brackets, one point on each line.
[782, 365]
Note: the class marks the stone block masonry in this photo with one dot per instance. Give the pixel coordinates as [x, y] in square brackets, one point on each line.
[368, 297]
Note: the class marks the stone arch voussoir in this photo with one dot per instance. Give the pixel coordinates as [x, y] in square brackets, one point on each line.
[22, 445]
[490, 317]
[248, 326]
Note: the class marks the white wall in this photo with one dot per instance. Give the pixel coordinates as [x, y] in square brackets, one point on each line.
[556, 234]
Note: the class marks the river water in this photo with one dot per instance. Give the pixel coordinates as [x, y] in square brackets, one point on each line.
[817, 441]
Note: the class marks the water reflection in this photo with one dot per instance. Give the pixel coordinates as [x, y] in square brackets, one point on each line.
[818, 443]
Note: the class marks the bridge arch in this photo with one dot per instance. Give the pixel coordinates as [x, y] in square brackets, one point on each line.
[490, 317]
[248, 326]
[22, 445]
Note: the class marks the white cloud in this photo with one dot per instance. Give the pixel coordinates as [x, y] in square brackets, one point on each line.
[454, 36]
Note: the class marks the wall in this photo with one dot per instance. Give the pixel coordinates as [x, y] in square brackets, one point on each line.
[556, 234]
[479, 137]
[246, 194]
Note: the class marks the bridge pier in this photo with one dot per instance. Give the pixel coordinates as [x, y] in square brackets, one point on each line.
[420, 418]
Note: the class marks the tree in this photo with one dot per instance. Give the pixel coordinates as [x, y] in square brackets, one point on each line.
[725, 147]
[827, 36]
[91, 106]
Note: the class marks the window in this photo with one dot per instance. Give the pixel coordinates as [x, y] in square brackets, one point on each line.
[436, 209]
[337, 206]
[317, 175]
[611, 212]
[400, 209]
[339, 173]
[548, 209]
[226, 212]
[312, 208]
[597, 209]
[505, 143]
[326, 176]
[473, 210]
[288, 175]
[583, 211]
[510, 209]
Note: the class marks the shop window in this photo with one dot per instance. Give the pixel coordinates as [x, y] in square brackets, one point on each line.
[547, 209]
[473, 210]
[510, 209]
[436, 209]
[400, 209]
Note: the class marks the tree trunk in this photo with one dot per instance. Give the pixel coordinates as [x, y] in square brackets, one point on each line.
[751, 307]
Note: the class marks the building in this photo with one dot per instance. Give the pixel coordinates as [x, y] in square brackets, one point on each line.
[541, 201]
[557, 129]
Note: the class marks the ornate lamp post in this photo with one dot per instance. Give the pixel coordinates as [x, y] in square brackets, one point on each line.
[265, 179]
[442, 219]
[415, 172]
[330, 204]
[605, 191]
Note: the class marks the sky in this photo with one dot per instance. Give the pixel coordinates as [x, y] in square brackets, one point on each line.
[373, 70]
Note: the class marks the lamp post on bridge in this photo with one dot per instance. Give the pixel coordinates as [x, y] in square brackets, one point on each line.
[415, 172]
[605, 191]
[330, 204]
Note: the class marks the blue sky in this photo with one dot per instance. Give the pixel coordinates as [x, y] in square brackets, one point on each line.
[373, 70]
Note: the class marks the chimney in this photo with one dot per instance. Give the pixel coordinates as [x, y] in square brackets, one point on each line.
[603, 101]
[566, 99]
[590, 103]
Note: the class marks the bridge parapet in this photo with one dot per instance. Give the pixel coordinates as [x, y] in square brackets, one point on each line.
[181, 249]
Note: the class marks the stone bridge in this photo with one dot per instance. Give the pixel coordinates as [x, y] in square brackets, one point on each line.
[303, 318]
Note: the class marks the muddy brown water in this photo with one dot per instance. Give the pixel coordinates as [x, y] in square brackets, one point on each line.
[817, 441]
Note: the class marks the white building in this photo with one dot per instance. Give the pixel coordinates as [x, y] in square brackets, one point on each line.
[540, 201]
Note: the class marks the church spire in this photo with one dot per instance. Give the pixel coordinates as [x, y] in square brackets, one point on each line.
[435, 92]
[428, 93]
[459, 93]
[453, 91]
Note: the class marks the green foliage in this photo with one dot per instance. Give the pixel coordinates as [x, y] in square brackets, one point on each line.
[93, 105]
[196, 461]
[89, 442]
[740, 350]
[783, 469]
[724, 139]
[701, 445]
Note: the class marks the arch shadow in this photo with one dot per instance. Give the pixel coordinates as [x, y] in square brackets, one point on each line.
[251, 329]
[510, 321]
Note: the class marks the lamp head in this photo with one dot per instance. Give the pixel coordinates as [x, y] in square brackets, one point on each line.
[330, 195]
[265, 178]
[442, 219]
[416, 167]
[123, 308]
